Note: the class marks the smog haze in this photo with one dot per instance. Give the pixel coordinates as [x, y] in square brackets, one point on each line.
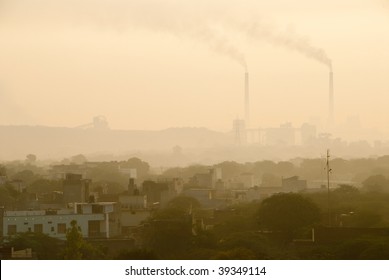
[152, 65]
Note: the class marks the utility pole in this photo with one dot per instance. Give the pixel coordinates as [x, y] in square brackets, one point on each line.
[328, 186]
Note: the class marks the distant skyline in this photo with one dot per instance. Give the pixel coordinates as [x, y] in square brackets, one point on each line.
[158, 64]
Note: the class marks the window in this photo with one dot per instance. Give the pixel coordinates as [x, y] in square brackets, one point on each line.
[38, 228]
[93, 228]
[96, 208]
[11, 229]
[61, 228]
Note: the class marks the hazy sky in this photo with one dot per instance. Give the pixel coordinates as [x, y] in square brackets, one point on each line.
[149, 64]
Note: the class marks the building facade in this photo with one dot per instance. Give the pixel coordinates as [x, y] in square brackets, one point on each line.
[95, 220]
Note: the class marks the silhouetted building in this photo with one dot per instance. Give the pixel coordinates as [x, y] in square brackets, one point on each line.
[18, 185]
[132, 188]
[219, 185]
[177, 184]
[247, 180]
[293, 184]
[206, 197]
[202, 219]
[308, 134]
[132, 199]
[201, 180]
[49, 200]
[239, 130]
[60, 171]
[156, 193]
[75, 189]
[134, 207]
[206, 180]
[283, 135]
[100, 122]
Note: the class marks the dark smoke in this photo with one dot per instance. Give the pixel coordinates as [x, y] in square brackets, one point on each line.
[289, 40]
[170, 17]
[219, 44]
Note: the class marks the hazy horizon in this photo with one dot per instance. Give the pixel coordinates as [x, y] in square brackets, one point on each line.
[194, 130]
[151, 65]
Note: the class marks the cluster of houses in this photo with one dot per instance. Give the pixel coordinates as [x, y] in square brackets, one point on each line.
[108, 216]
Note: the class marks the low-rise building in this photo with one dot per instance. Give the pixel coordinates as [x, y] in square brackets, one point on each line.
[95, 220]
[75, 189]
[294, 184]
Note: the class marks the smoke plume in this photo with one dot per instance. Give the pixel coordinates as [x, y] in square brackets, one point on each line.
[171, 17]
[195, 21]
[288, 39]
[218, 43]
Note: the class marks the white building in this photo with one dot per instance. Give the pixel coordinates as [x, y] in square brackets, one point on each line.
[95, 220]
[133, 201]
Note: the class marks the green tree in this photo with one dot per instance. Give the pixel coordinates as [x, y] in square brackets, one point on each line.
[364, 219]
[265, 166]
[285, 168]
[169, 238]
[74, 242]
[8, 196]
[242, 217]
[169, 231]
[186, 172]
[250, 240]
[345, 190]
[27, 176]
[287, 213]
[142, 167]
[3, 170]
[368, 248]
[108, 173]
[44, 246]
[78, 159]
[378, 251]
[136, 254]
[77, 248]
[184, 203]
[30, 158]
[376, 183]
[311, 169]
[235, 254]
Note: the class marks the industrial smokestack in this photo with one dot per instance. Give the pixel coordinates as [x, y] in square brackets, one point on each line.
[246, 99]
[331, 99]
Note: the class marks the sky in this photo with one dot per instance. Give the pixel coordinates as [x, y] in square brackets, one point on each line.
[149, 64]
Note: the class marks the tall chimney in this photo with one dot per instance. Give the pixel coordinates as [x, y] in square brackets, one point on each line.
[331, 100]
[246, 100]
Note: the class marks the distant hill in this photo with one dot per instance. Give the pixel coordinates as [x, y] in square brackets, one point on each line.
[18, 141]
